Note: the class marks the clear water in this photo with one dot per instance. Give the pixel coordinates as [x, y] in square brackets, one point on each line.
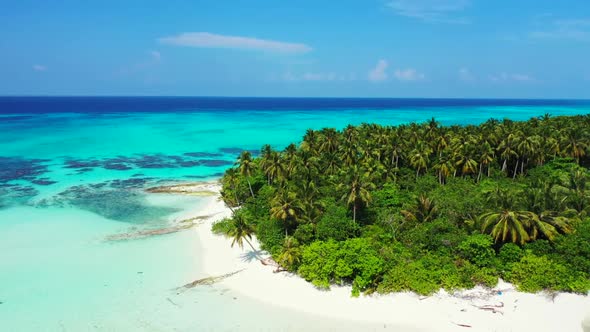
[72, 173]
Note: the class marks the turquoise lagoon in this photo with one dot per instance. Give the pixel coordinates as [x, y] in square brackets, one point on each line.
[72, 173]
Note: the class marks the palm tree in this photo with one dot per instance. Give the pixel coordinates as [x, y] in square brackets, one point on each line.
[329, 140]
[550, 224]
[231, 176]
[444, 166]
[285, 206]
[575, 146]
[358, 187]
[507, 225]
[486, 157]
[241, 231]
[275, 167]
[507, 150]
[419, 158]
[524, 226]
[424, 211]
[246, 167]
[265, 156]
[291, 255]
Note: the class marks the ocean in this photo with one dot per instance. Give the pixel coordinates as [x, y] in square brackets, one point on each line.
[72, 173]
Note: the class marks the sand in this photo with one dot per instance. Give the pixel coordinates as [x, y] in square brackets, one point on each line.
[504, 308]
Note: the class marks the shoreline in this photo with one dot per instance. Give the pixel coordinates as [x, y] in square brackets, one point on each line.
[500, 309]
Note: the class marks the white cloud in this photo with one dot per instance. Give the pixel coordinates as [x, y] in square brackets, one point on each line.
[319, 77]
[210, 40]
[316, 77]
[565, 29]
[379, 74]
[408, 74]
[432, 11]
[39, 68]
[156, 55]
[466, 75]
[508, 77]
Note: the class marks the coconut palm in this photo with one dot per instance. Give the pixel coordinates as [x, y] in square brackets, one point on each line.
[419, 158]
[358, 188]
[275, 167]
[291, 255]
[246, 167]
[241, 230]
[424, 210]
[507, 226]
[574, 145]
[285, 206]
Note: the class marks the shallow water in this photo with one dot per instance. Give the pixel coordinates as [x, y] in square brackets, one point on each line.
[72, 173]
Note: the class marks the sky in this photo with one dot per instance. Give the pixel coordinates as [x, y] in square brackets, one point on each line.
[304, 48]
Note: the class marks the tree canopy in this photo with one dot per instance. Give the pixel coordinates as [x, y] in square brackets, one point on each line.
[422, 206]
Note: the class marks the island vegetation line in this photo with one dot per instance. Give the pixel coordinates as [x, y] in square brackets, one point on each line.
[420, 206]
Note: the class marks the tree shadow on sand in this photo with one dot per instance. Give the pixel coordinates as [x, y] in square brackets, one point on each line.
[251, 255]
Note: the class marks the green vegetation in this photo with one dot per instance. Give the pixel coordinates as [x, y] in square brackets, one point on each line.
[421, 206]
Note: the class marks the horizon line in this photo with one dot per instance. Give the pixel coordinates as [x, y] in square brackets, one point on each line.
[298, 97]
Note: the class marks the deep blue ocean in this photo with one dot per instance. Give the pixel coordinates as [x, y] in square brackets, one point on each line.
[73, 170]
[191, 104]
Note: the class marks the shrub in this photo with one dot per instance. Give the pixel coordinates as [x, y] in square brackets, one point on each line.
[304, 233]
[335, 224]
[478, 250]
[509, 254]
[536, 273]
[271, 234]
[539, 247]
[353, 261]
[574, 249]
[438, 235]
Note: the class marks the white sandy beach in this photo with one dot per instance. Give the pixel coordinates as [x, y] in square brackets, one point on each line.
[515, 311]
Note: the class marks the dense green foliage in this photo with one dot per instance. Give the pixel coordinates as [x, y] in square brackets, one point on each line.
[421, 206]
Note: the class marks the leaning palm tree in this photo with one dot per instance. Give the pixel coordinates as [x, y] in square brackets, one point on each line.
[246, 167]
[231, 176]
[241, 230]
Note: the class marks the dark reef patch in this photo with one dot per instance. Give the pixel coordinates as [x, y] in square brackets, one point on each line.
[43, 182]
[17, 168]
[148, 161]
[81, 164]
[215, 162]
[203, 154]
[120, 200]
[237, 151]
[11, 195]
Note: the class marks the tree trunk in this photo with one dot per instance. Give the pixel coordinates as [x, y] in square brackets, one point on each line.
[236, 195]
[354, 213]
[250, 186]
[515, 170]
[504, 165]
[489, 166]
[480, 171]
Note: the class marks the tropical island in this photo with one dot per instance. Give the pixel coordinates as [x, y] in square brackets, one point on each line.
[420, 207]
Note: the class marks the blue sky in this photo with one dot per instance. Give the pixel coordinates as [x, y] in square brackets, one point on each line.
[354, 48]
